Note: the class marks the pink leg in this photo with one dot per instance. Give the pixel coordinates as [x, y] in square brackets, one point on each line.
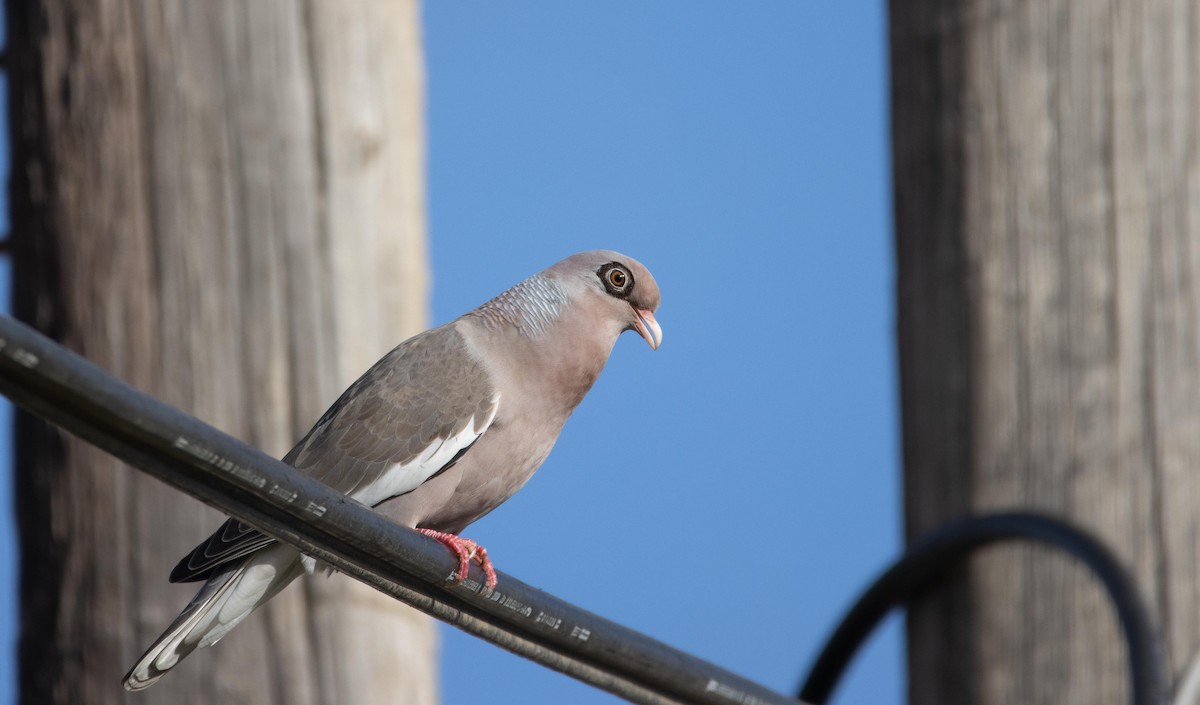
[466, 550]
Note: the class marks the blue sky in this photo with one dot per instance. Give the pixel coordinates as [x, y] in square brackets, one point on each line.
[735, 490]
[739, 150]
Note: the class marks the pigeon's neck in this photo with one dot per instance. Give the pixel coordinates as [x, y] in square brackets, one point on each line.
[529, 307]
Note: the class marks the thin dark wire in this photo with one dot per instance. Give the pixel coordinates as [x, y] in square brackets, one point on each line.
[61, 387]
[929, 559]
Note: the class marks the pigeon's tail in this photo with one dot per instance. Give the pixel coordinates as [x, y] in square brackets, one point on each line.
[221, 603]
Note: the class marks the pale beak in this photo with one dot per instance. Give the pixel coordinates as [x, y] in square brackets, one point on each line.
[647, 327]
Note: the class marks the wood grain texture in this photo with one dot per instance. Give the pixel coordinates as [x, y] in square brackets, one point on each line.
[1047, 195]
[222, 203]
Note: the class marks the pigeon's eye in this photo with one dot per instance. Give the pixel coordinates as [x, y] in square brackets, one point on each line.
[616, 279]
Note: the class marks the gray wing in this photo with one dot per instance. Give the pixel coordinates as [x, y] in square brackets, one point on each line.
[408, 418]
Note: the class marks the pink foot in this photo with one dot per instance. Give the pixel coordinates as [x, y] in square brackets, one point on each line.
[466, 550]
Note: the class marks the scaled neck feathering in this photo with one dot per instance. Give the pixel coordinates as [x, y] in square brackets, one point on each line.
[530, 306]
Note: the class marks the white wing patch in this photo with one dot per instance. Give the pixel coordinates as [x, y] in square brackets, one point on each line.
[406, 477]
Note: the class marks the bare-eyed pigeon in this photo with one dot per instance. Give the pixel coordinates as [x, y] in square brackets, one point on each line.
[443, 429]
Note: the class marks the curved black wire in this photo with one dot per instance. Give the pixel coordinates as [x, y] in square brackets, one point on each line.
[928, 559]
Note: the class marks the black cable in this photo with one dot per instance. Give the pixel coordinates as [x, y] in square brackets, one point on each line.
[59, 386]
[63, 388]
[930, 557]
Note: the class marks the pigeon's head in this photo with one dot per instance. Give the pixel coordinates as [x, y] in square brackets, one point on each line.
[619, 285]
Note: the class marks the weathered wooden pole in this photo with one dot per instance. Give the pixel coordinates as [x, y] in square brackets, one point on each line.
[1047, 194]
[222, 203]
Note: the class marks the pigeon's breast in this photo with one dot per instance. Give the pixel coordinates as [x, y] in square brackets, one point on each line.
[499, 464]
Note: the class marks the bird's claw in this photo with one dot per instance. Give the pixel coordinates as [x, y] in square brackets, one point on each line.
[466, 551]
